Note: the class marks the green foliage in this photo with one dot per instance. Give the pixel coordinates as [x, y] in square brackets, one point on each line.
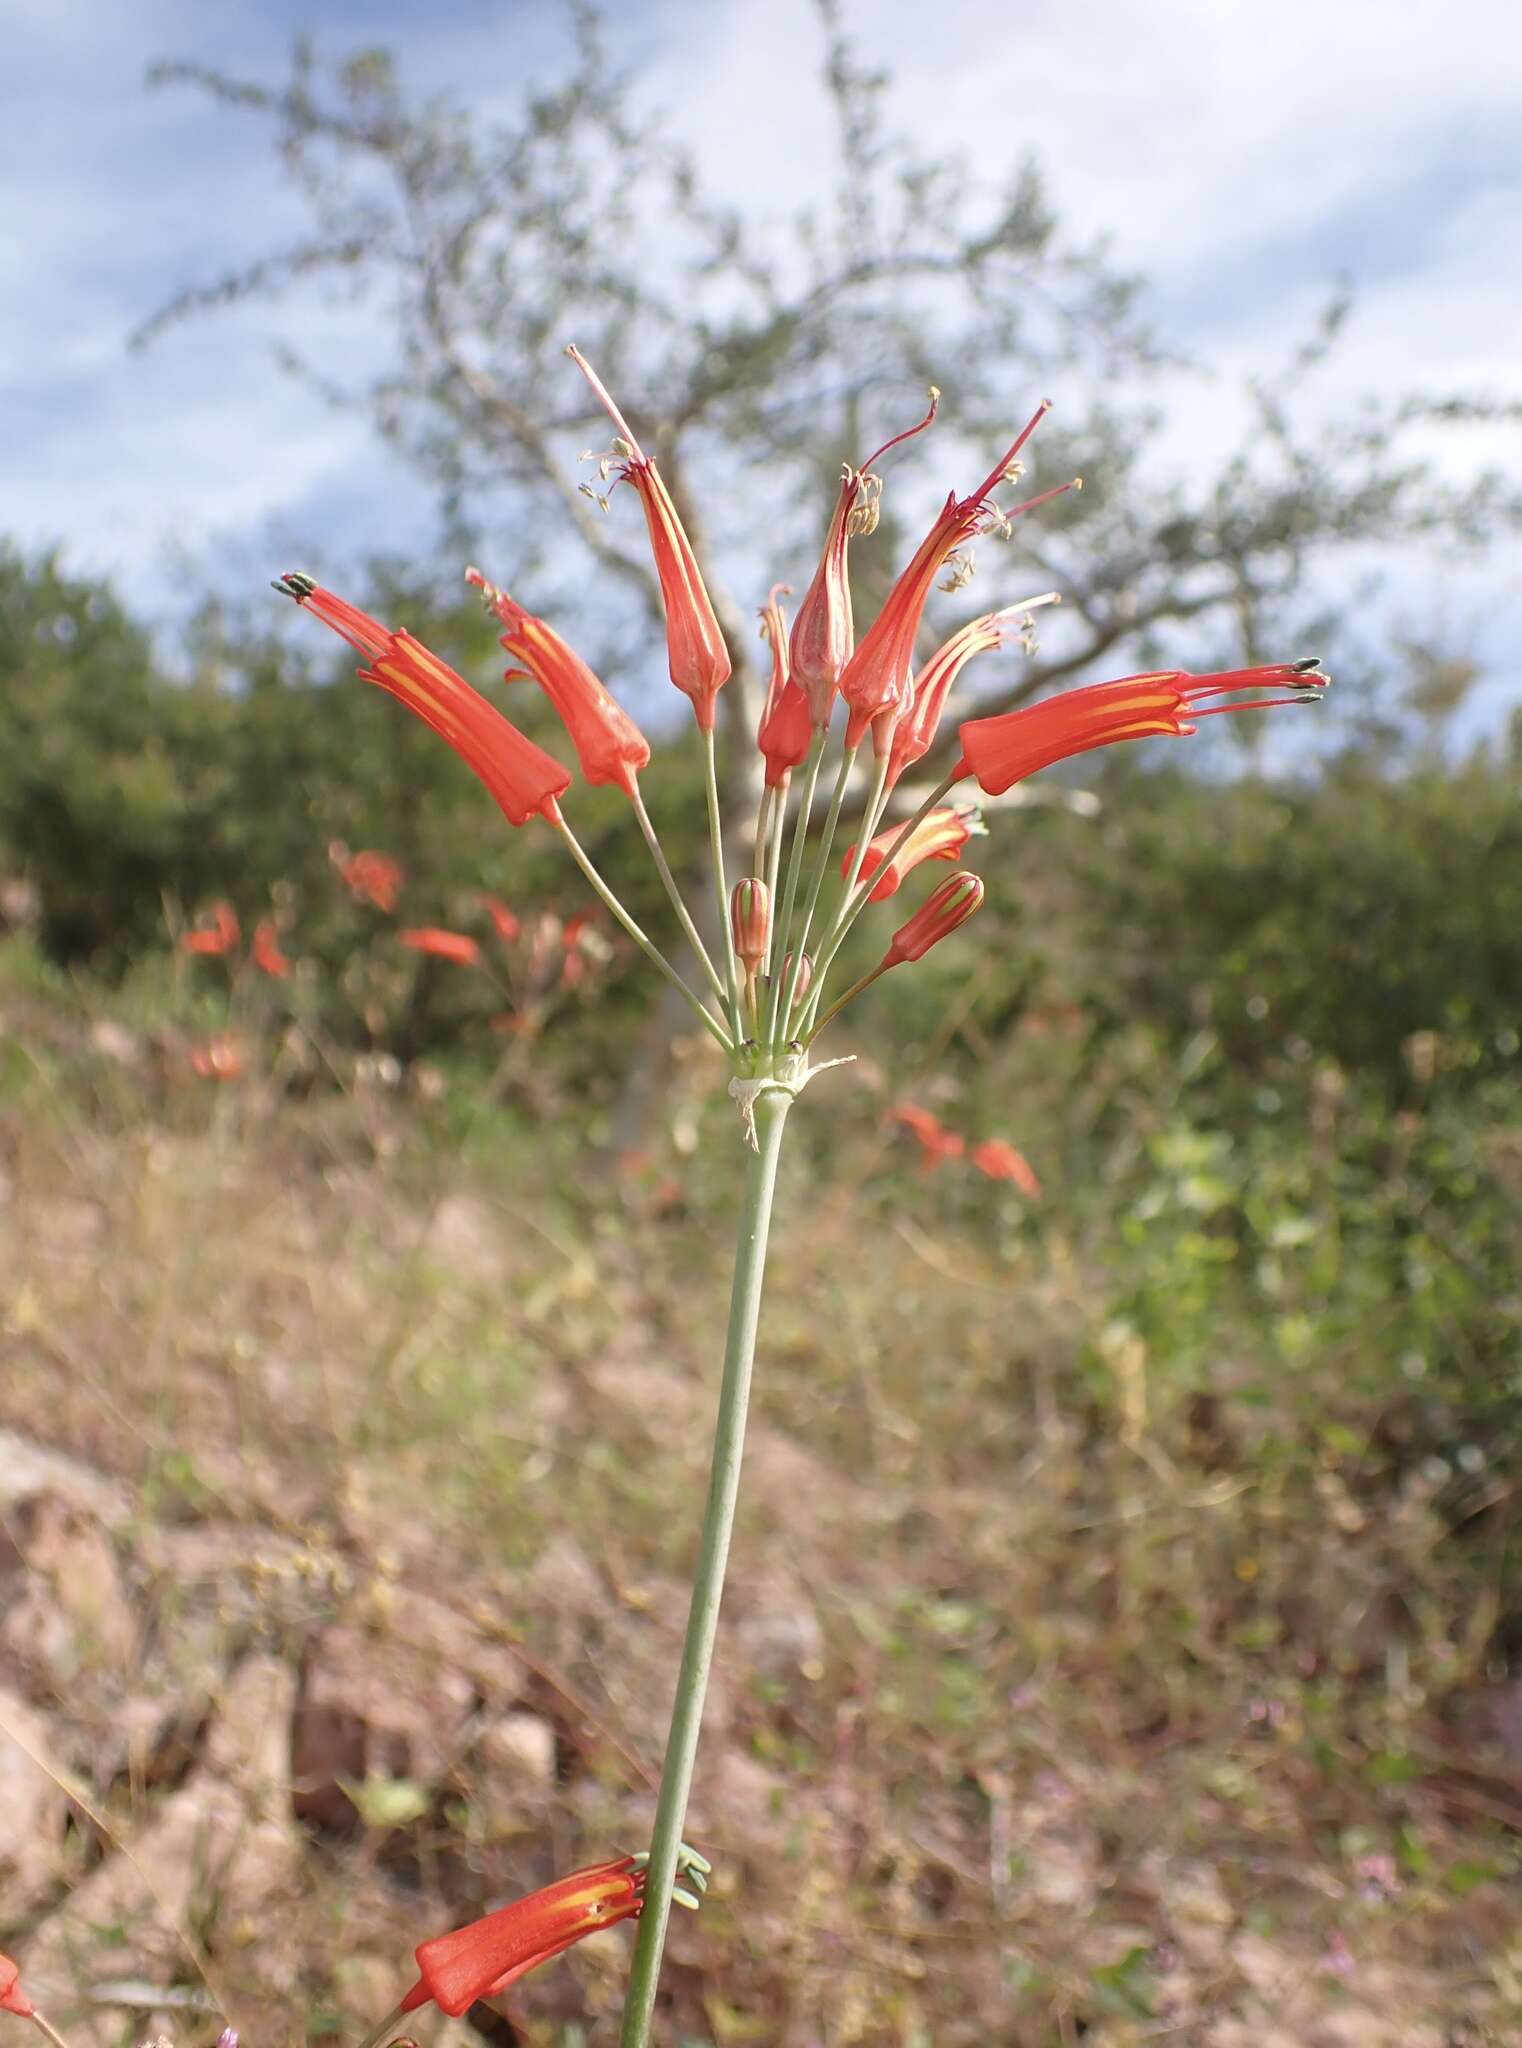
[1349, 914]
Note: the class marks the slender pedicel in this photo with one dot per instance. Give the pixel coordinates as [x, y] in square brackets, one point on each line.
[673, 891]
[651, 951]
[785, 994]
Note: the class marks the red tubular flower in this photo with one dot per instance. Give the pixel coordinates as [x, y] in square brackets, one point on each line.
[484, 1958]
[217, 938]
[698, 657]
[1001, 1161]
[12, 1997]
[824, 633]
[507, 921]
[609, 745]
[523, 779]
[372, 877]
[265, 951]
[914, 732]
[441, 945]
[939, 836]
[937, 917]
[1004, 750]
[786, 727]
[878, 676]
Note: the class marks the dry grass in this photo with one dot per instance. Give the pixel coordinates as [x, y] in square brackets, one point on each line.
[1039, 1719]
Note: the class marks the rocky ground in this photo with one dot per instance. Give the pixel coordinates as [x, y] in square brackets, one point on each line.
[345, 1501]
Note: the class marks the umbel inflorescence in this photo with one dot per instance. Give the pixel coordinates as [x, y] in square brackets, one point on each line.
[761, 983]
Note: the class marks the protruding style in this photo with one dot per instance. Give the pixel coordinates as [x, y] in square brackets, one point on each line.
[697, 655]
[914, 733]
[1004, 750]
[878, 677]
[824, 633]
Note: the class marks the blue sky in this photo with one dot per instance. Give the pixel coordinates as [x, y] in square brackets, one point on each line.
[1245, 156]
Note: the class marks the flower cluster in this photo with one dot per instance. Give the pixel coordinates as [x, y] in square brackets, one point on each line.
[995, 1158]
[763, 973]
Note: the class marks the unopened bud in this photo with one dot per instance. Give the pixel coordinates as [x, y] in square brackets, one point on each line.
[805, 976]
[750, 920]
[940, 914]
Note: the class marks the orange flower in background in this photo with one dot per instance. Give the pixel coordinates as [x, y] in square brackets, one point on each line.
[484, 1958]
[1004, 750]
[219, 1059]
[939, 836]
[609, 745]
[523, 780]
[935, 1141]
[442, 945]
[1001, 1161]
[507, 921]
[217, 938]
[786, 727]
[265, 951]
[578, 922]
[696, 653]
[372, 877]
[12, 1997]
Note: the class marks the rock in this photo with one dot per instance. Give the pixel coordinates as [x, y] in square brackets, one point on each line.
[28, 1468]
[390, 1693]
[220, 1853]
[465, 1235]
[521, 1748]
[779, 1634]
[33, 1806]
[114, 1042]
[65, 1609]
[65, 1228]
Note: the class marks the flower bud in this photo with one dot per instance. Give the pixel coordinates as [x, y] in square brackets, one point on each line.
[938, 916]
[805, 976]
[750, 920]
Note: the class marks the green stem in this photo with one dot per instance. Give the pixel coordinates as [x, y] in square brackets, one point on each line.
[850, 996]
[388, 2025]
[708, 1584]
[774, 824]
[782, 921]
[651, 951]
[789, 975]
[720, 886]
[855, 904]
[684, 916]
[758, 858]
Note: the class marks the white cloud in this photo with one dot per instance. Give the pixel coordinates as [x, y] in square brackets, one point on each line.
[1241, 155]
